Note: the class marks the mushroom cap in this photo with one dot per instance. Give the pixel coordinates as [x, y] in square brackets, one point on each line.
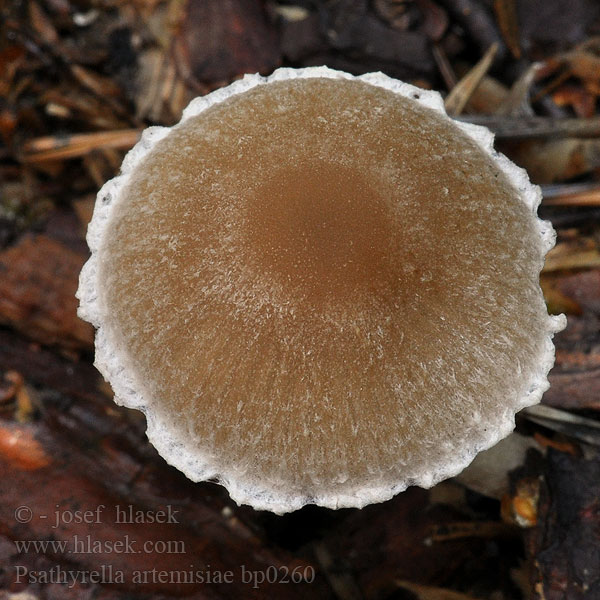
[319, 288]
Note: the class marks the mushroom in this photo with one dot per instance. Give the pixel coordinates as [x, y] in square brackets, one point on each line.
[320, 289]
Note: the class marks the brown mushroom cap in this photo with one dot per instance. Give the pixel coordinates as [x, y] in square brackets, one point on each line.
[320, 289]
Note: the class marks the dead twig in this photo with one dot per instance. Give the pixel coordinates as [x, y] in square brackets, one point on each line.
[58, 148]
[514, 128]
[445, 68]
[582, 194]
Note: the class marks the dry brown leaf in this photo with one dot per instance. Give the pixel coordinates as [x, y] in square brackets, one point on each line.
[506, 15]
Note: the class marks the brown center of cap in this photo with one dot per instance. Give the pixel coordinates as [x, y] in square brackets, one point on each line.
[322, 230]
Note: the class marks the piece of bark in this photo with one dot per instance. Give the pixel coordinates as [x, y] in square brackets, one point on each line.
[38, 280]
[352, 29]
[86, 478]
[519, 128]
[575, 388]
[302, 38]
[575, 378]
[397, 537]
[66, 227]
[46, 368]
[584, 288]
[479, 24]
[219, 40]
[436, 20]
[555, 25]
[564, 546]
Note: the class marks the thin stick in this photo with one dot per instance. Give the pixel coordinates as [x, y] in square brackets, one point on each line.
[58, 148]
[514, 128]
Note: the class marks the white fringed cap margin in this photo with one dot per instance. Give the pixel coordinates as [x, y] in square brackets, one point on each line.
[172, 444]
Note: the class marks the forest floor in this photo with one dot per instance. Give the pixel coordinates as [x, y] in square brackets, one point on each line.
[79, 81]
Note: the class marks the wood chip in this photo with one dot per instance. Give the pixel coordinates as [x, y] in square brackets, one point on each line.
[38, 280]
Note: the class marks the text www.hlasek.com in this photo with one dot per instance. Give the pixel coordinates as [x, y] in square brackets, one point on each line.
[88, 545]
